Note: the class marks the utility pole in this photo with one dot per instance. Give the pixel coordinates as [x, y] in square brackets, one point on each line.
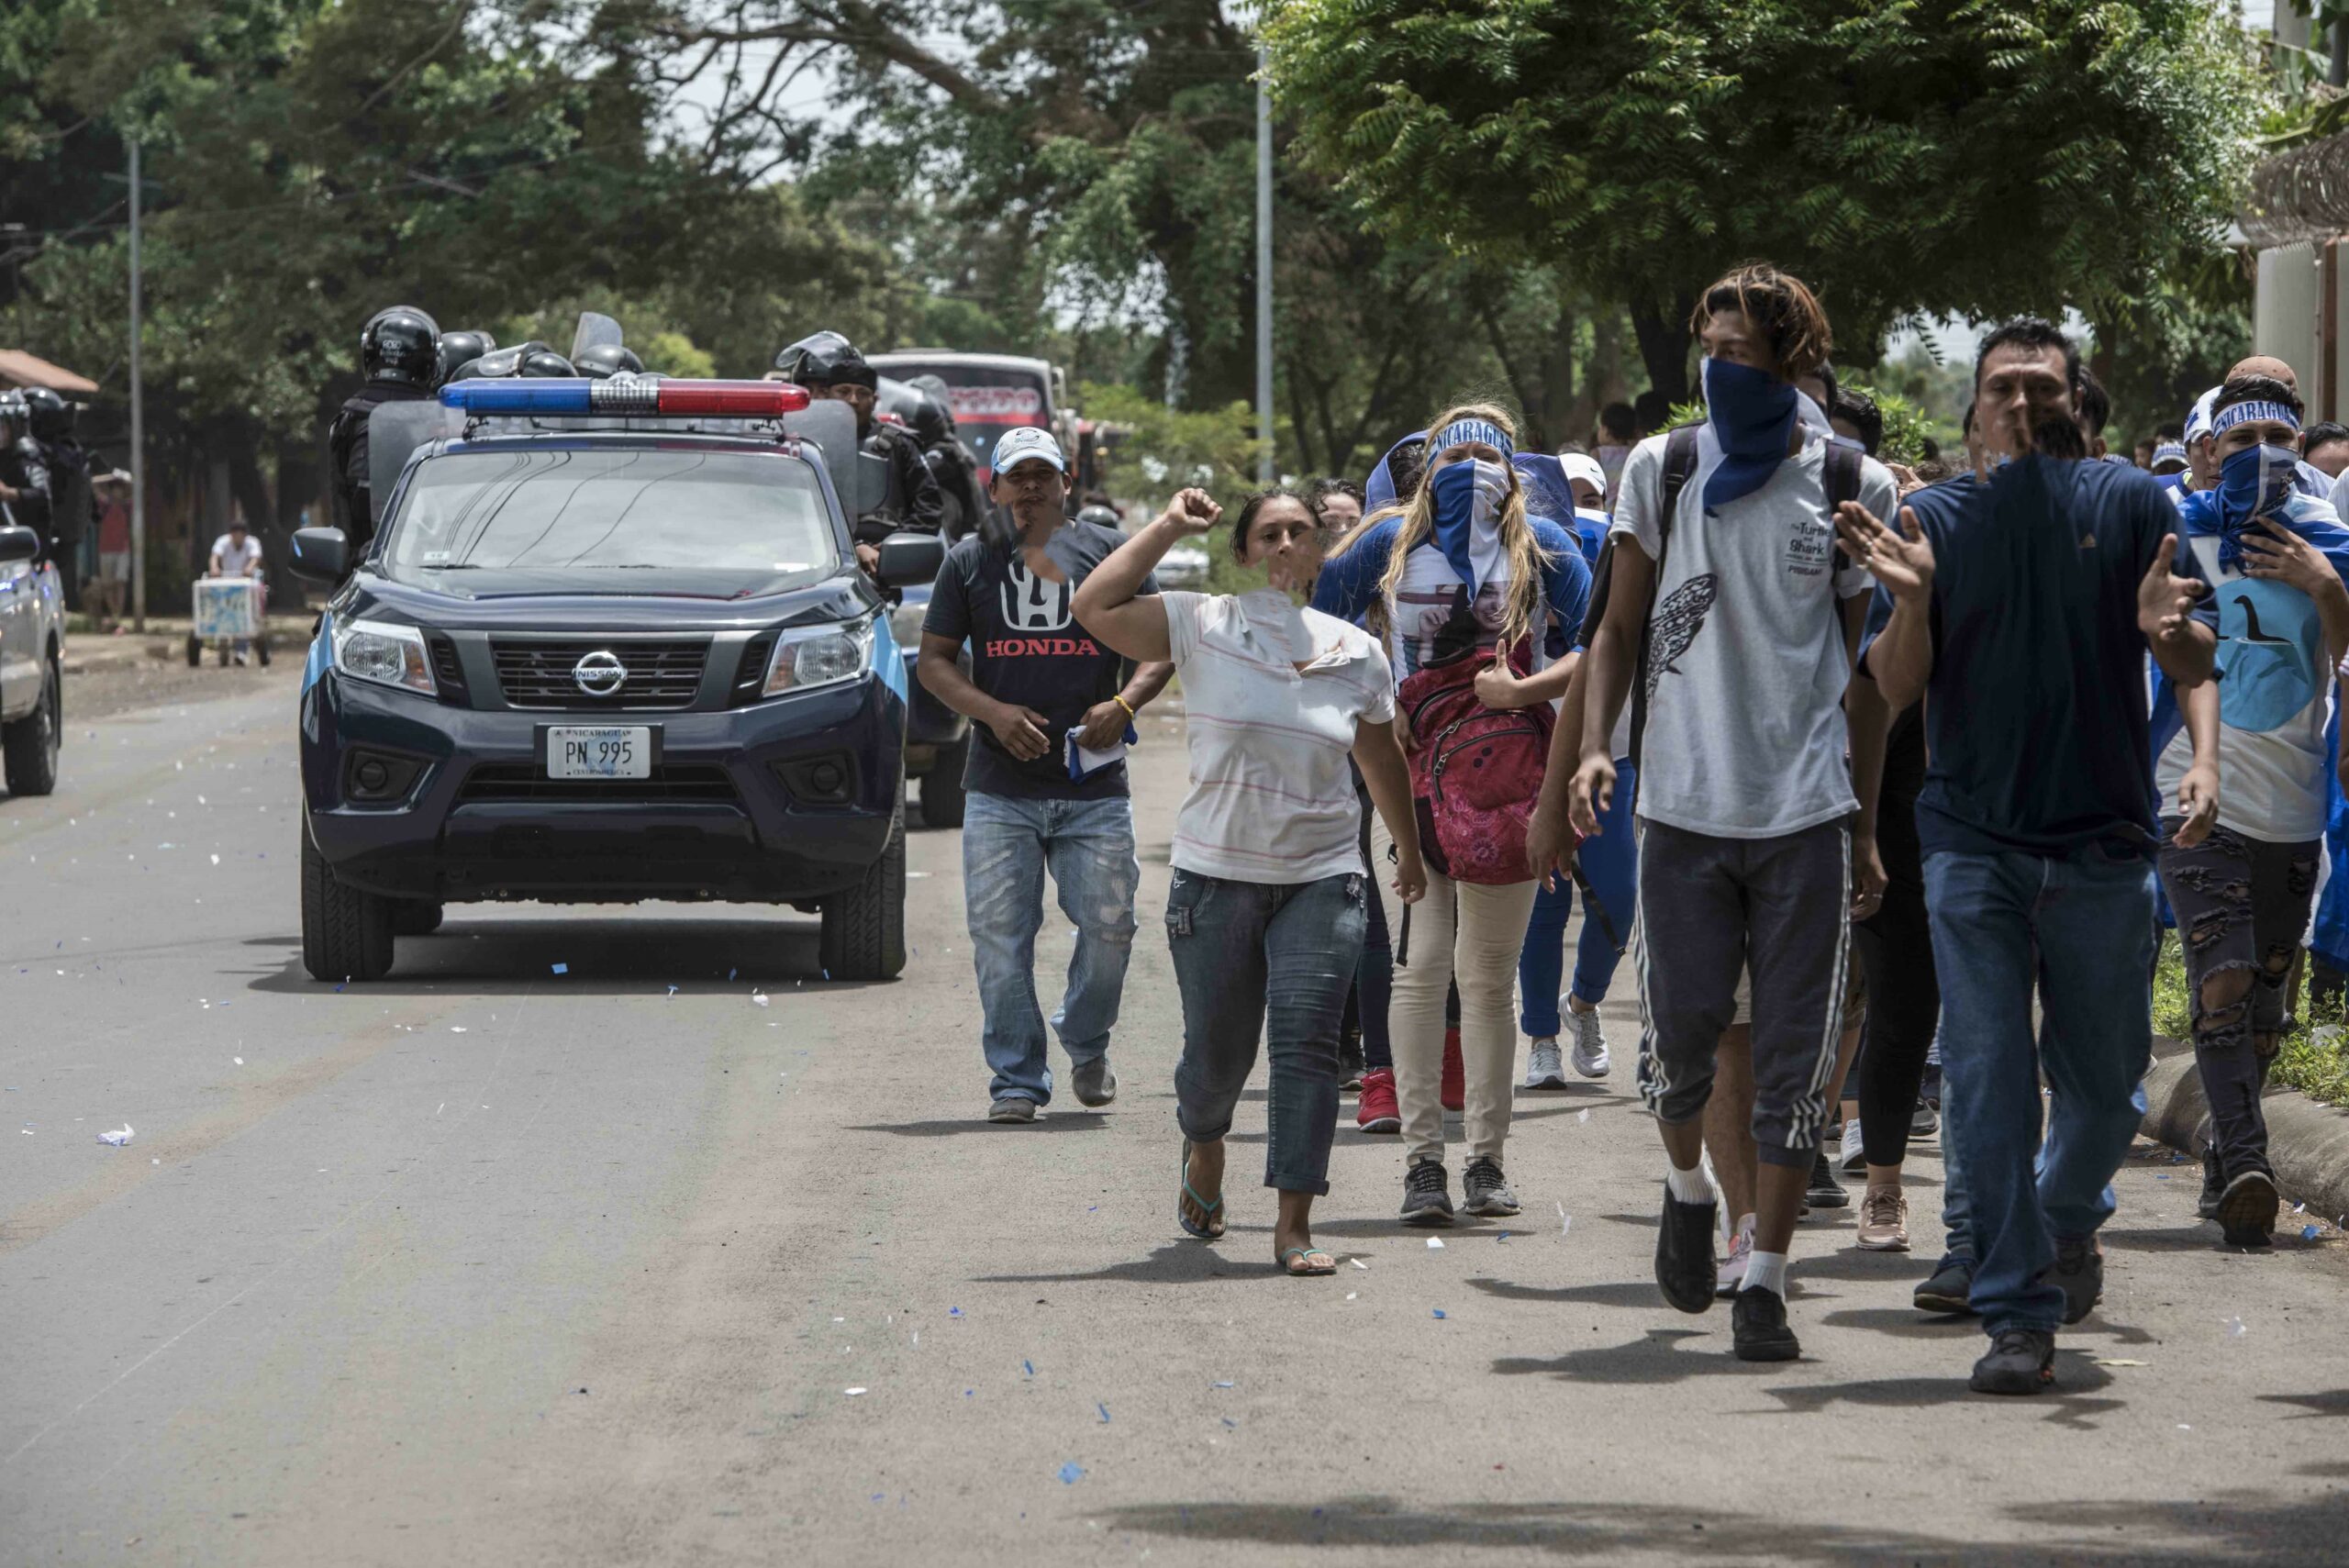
[138, 425]
[1267, 467]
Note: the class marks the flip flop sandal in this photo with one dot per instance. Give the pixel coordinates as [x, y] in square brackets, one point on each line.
[1328, 1264]
[1210, 1231]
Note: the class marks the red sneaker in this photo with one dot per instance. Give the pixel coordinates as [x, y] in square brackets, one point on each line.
[1455, 1077]
[1375, 1110]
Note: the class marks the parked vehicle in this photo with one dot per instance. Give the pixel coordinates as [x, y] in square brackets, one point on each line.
[32, 662]
[610, 642]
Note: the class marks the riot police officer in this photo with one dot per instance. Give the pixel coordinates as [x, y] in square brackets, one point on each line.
[72, 504]
[953, 463]
[399, 354]
[25, 487]
[829, 365]
[458, 349]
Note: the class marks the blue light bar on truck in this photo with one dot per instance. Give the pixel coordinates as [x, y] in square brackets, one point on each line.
[529, 395]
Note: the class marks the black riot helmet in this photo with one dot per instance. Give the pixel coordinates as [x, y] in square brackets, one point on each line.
[1101, 517]
[826, 359]
[604, 361]
[546, 361]
[459, 350]
[50, 416]
[499, 364]
[931, 420]
[401, 344]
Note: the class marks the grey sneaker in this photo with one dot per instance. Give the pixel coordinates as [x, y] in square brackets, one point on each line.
[1012, 1107]
[1543, 1068]
[1590, 1045]
[1484, 1191]
[1093, 1082]
[1425, 1199]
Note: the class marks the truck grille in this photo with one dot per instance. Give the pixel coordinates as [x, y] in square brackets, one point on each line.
[539, 674]
[670, 782]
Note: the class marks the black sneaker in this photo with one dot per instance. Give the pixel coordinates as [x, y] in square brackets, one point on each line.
[2079, 1270]
[1685, 1271]
[1924, 1121]
[1946, 1291]
[1426, 1200]
[2214, 1184]
[1351, 1062]
[1825, 1192]
[1482, 1190]
[1757, 1323]
[2019, 1360]
[2246, 1213]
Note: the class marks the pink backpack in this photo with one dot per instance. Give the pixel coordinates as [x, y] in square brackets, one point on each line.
[1475, 771]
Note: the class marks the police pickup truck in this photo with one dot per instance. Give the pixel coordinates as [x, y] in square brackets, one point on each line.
[610, 642]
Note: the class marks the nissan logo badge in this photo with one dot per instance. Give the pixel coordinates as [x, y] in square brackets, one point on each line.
[600, 674]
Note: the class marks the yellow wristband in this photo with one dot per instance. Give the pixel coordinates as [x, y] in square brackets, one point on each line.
[1119, 699]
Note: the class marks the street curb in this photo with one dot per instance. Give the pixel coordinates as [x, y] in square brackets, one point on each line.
[2307, 1143]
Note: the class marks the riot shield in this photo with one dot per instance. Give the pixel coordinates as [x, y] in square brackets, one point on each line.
[394, 432]
[830, 427]
[593, 331]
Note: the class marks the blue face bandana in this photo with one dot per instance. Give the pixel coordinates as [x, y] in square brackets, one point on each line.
[2253, 484]
[1752, 416]
[1466, 500]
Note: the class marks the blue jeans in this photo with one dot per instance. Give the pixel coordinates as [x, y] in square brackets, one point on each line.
[1089, 847]
[2082, 929]
[1610, 862]
[1273, 960]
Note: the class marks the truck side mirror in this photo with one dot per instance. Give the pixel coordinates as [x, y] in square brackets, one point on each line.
[18, 544]
[908, 559]
[320, 555]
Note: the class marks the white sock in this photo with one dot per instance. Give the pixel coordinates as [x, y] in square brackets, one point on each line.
[1767, 1270]
[1689, 1186]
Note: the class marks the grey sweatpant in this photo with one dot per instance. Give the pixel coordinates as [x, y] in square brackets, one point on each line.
[1710, 907]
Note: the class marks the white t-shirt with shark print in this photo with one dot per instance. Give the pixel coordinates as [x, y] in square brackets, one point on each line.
[1745, 736]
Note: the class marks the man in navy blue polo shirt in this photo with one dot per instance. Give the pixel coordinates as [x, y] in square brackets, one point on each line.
[2022, 607]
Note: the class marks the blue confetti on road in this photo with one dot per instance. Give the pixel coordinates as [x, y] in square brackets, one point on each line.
[1071, 1473]
[1439, 1311]
[1030, 1367]
[1097, 1405]
[2309, 1232]
[562, 969]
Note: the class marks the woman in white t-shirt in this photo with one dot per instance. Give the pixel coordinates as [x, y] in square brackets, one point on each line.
[1267, 913]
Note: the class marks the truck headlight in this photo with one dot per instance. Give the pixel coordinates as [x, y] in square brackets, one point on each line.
[820, 656]
[386, 655]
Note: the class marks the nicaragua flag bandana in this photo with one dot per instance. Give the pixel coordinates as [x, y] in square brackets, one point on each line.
[1466, 500]
[1460, 431]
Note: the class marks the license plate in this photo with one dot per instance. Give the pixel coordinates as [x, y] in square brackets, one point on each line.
[600, 753]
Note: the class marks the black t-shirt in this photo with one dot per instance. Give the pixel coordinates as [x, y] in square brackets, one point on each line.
[1027, 648]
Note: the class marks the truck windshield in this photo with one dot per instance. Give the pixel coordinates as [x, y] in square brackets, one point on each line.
[753, 516]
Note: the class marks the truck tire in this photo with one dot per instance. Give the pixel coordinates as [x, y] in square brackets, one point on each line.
[346, 934]
[865, 928]
[414, 918]
[942, 797]
[31, 743]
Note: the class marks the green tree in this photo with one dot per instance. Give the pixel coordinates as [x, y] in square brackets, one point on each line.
[1974, 157]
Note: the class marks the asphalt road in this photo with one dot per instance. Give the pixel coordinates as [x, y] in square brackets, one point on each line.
[487, 1264]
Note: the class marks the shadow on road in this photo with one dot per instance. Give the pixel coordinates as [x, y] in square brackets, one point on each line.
[1046, 1121]
[1639, 1293]
[1177, 1262]
[2249, 1527]
[1653, 1357]
[2332, 1402]
[601, 956]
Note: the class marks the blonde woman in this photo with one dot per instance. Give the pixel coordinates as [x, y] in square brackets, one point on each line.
[1456, 570]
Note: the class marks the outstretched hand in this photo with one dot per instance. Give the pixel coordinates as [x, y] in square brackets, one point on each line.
[1902, 561]
[2164, 600]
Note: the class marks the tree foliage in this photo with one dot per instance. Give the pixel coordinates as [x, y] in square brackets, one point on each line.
[1970, 157]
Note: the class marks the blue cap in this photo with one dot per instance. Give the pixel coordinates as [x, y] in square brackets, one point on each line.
[2168, 452]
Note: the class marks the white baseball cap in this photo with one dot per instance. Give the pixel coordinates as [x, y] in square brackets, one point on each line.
[1582, 466]
[1028, 443]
